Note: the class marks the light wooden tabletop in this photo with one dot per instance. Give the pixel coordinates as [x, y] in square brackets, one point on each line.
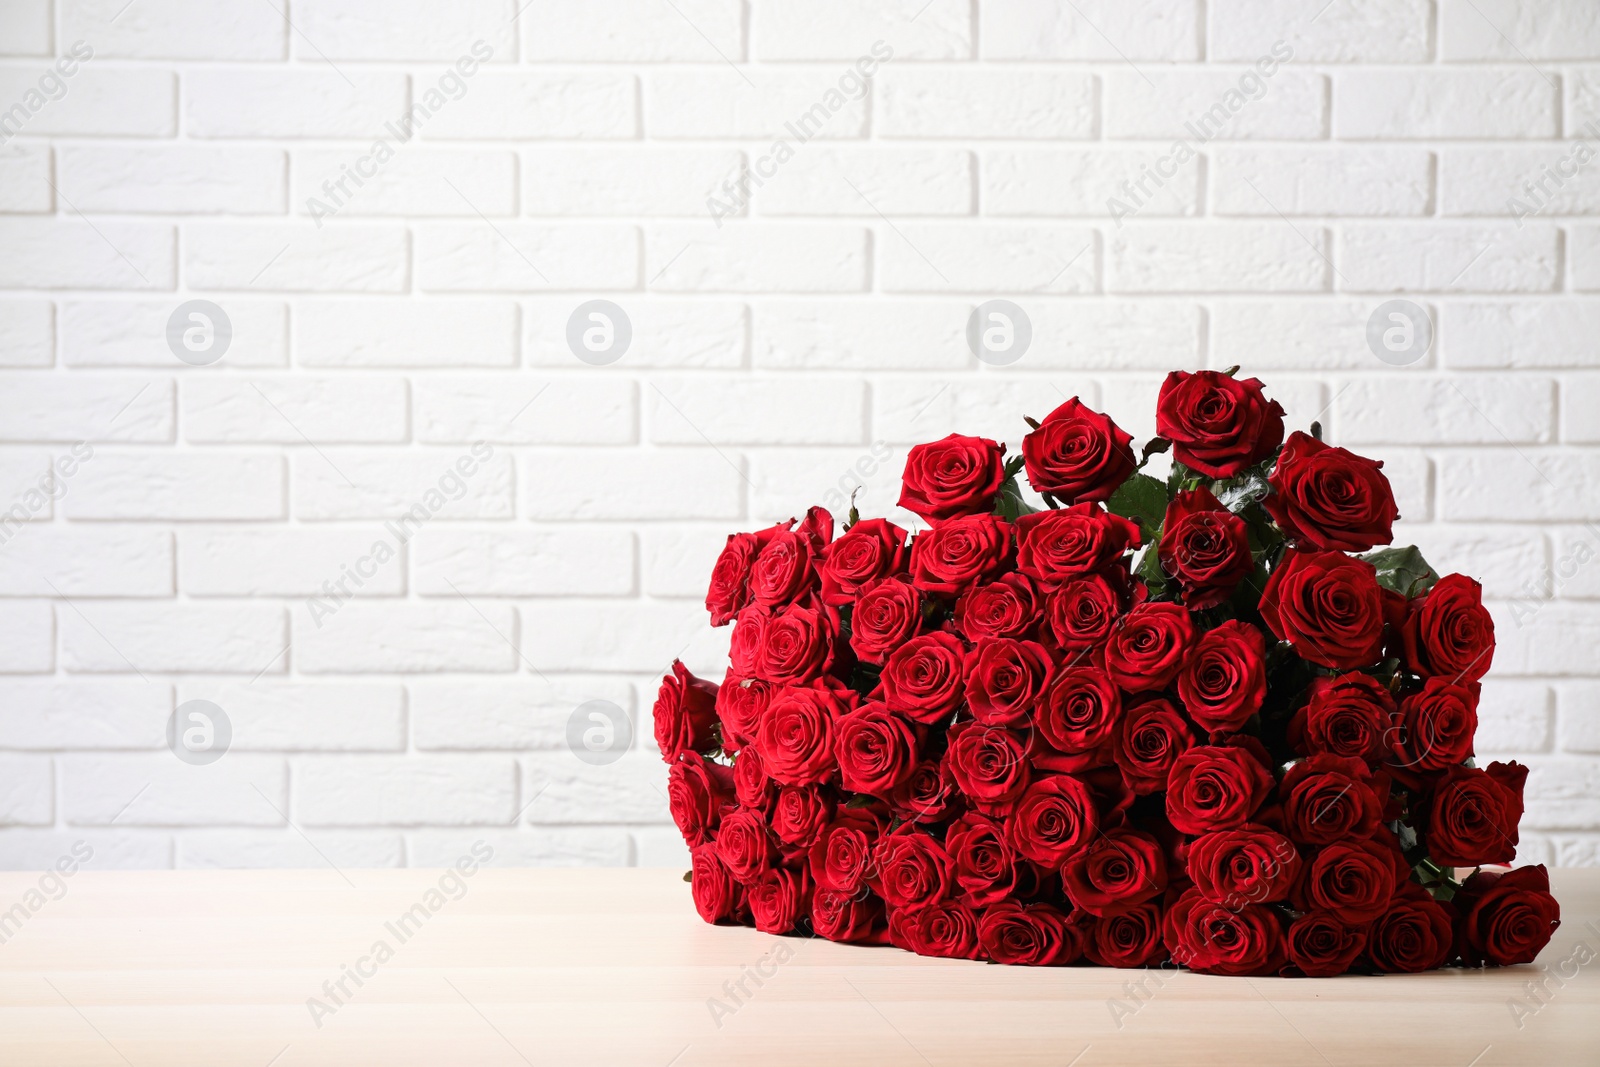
[568, 967]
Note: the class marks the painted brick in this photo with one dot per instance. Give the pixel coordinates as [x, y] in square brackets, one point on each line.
[1448, 257]
[1503, 102]
[1460, 410]
[1106, 30]
[883, 334]
[808, 410]
[519, 256]
[1322, 181]
[188, 179]
[693, 31]
[757, 259]
[610, 483]
[416, 182]
[929, 257]
[177, 29]
[297, 258]
[842, 30]
[1202, 105]
[119, 638]
[406, 333]
[1098, 184]
[1351, 31]
[625, 181]
[405, 29]
[363, 638]
[406, 790]
[865, 182]
[522, 715]
[554, 562]
[27, 333]
[472, 482]
[87, 562]
[985, 104]
[124, 333]
[286, 561]
[294, 410]
[524, 410]
[272, 716]
[667, 332]
[756, 103]
[25, 179]
[45, 715]
[27, 637]
[127, 102]
[301, 102]
[1520, 333]
[157, 790]
[134, 486]
[1263, 257]
[83, 407]
[48, 253]
[516, 105]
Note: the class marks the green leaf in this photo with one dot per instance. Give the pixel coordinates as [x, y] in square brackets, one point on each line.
[1402, 570]
[1148, 567]
[1008, 504]
[1154, 446]
[1014, 466]
[688, 876]
[860, 800]
[1239, 492]
[1143, 499]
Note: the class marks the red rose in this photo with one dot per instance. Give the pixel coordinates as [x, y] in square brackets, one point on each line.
[1148, 740]
[744, 647]
[796, 737]
[685, 714]
[1217, 425]
[1119, 870]
[1006, 607]
[751, 784]
[1212, 939]
[1216, 787]
[959, 553]
[1077, 454]
[800, 814]
[989, 765]
[797, 645]
[985, 865]
[745, 846]
[1205, 547]
[1129, 938]
[1250, 865]
[1506, 918]
[698, 794]
[1436, 726]
[956, 476]
[1412, 935]
[876, 750]
[741, 702]
[1080, 711]
[947, 929]
[730, 575]
[1053, 546]
[911, 869]
[926, 796]
[1473, 816]
[780, 899]
[1224, 678]
[1329, 500]
[1448, 632]
[1331, 798]
[1005, 680]
[1055, 818]
[841, 858]
[717, 897]
[1344, 716]
[1082, 611]
[1352, 881]
[888, 613]
[869, 550]
[923, 679]
[846, 918]
[1148, 646]
[1321, 946]
[1328, 606]
[1033, 935]
[785, 569]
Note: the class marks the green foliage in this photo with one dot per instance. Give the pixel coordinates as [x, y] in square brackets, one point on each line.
[1143, 499]
[1402, 570]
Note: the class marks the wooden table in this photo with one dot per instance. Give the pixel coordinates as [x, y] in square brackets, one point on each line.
[566, 967]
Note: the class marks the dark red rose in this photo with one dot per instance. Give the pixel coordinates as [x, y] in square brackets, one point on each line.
[876, 750]
[717, 897]
[841, 859]
[685, 714]
[985, 865]
[1005, 607]
[1148, 740]
[1506, 917]
[786, 567]
[1412, 935]
[911, 869]
[947, 929]
[1352, 880]
[730, 576]
[800, 814]
[779, 899]
[1129, 938]
[1320, 946]
[869, 550]
[1117, 871]
[1082, 611]
[1211, 939]
[923, 678]
[1055, 818]
[1331, 798]
[1344, 716]
[797, 645]
[1224, 677]
[1053, 546]
[750, 782]
[1147, 647]
[886, 616]
[845, 917]
[1032, 935]
[1077, 454]
[1080, 711]
[989, 765]
[1328, 606]
[1205, 547]
[1473, 815]
[744, 647]
[956, 476]
[1448, 633]
[1436, 726]
[1329, 500]
[959, 553]
[699, 792]
[926, 796]
[1250, 865]
[1005, 680]
[741, 702]
[1217, 787]
[745, 845]
[796, 737]
[1217, 425]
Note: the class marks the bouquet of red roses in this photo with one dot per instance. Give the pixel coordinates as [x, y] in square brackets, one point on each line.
[1196, 719]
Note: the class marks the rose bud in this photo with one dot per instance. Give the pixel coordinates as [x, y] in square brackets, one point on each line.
[911, 868]
[886, 616]
[1217, 425]
[699, 793]
[730, 576]
[745, 845]
[800, 814]
[1330, 500]
[960, 553]
[946, 929]
[1217, 787]
[1148, 740]
[1119, 870]
[1205, 547]
[956, 476]
[1080, 711]
[989, 765]
[1250, 865]
[717, 897]
[1352, 880]
[1148, 646]
[796, 737]
[1436, 727]
[923, 679]
[1328, 606]
[779, 899]
[1081, 612]
[1448, 632]
[1129, 938]
[1005, 680]
[1032, 935]
[876, 750]
[1224, 677]
[1077, 454]
[1344, 716]
[1473, 815]
[869, 550]
[1412, 935]
[685, 714]
[841, 860]
[847, 918]
[1055, 818]
[1320, 946]
[1331, 798]
[1211, 939]
[1506, 918]
[1053, 546]
[1005, 607]
[985, 865]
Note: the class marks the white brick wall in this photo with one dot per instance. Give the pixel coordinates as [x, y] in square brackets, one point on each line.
[394, 302]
